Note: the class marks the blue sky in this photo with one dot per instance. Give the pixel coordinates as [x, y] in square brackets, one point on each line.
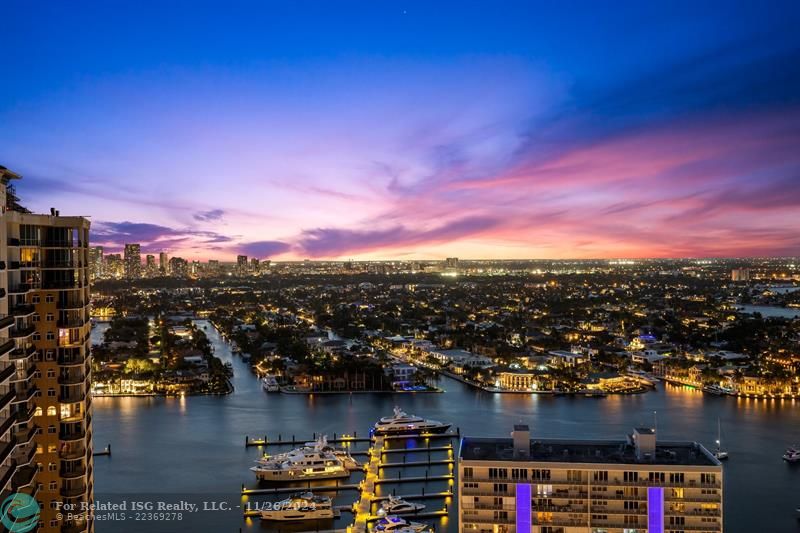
[410, 129]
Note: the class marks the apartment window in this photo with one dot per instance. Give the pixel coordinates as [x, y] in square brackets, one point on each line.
[49, 317]
[53, 485]
[574, 476]
[676, 477]
[52, 448]
[49, 356]
[37, 373]
[51, 429]
[630, 477]
[53, 523]
[500, 487]
[38, 411]
[600, 475]
[54, 504]
[544, 490]
[631, 520]
[52, 467]
[677, 492]
[51, 372]
[37, 336]
[656, 477]
[51, 392]
[36, 317]
[51, 411]
[468, 472]
[35, 299]
[39, 449]
[710, 479]
[631, 506]
[49, 298]
[498, 473]
[519, 473]
[540, 474]
[51, 336]
[677, 520]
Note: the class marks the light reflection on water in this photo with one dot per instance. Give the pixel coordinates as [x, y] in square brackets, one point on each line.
[194, 446]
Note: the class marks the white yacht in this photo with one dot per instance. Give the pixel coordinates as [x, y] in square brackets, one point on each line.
[395, 506]
[395, 524]
[316, 460]
[792, 455]
[270, 384]
[404, 424]
[299, 507]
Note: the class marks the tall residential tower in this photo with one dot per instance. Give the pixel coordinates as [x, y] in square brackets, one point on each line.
[45, 362]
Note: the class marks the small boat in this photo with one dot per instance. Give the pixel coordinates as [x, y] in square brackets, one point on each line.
[792, 455]
[299, 507]
[720, 454]
[404, 424]
[395, 524]
[397, 506]
[270, 384]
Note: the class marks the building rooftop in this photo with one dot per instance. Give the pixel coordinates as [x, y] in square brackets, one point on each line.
[585, 451]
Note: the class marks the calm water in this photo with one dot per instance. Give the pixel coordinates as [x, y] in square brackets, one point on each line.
[771, 311]
[193, 448]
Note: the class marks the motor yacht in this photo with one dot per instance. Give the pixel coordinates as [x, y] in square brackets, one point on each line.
[404, 424]
[270, 384]
[299, 507]
[398, 506]
[396, 524]
[319, 461]
[792, 455]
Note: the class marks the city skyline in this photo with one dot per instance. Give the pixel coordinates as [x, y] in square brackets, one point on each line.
[400, 132]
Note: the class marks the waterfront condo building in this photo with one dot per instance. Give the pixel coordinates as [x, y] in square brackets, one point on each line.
[636, 485]
[45, 363]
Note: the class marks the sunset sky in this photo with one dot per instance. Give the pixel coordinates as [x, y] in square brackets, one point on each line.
[389, 129]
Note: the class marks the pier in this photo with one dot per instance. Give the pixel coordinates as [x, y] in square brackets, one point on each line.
[375, 470]
[264, 441]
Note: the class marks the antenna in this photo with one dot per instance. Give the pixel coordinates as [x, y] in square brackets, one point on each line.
[655, 421]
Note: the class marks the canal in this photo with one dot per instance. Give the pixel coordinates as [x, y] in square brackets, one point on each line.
[192, 448]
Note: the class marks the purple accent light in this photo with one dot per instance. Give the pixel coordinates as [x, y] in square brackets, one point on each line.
[655, 510]
[523, 508]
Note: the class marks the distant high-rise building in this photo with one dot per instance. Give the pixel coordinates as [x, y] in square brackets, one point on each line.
[241, 264]
[133, 261]
[163, 263]
[254, 265]
[740, 274]
[114, 266]
[178, 267]
[548, 485]
[150, 268]
[96, 262]
[451, 262]
[45, 407]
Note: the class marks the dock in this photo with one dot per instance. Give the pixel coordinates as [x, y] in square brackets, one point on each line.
[280, 441]
[105, 451]
[423, 496]
[375, 470]
[419, 463]
[291, 490]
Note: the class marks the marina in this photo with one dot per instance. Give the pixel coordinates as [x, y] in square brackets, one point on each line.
[173, 433]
